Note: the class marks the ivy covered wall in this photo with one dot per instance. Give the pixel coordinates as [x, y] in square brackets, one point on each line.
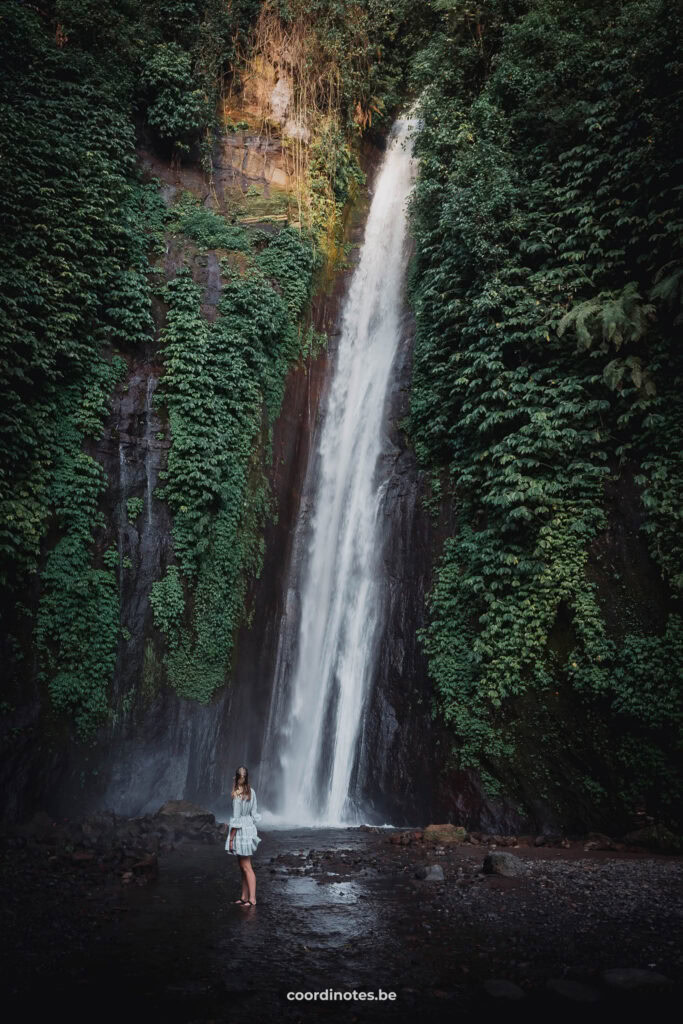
[547, 396]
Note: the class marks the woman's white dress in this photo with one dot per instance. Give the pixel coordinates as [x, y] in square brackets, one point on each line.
[244, 818]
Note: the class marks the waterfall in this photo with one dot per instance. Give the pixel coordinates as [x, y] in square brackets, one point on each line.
[122, 515]
[327, 641]
[151, 387]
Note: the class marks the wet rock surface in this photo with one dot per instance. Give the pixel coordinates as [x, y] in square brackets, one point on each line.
[505, 864]
[590, 931]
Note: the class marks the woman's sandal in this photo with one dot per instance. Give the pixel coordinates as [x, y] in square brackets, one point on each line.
[239, 902]
[248, 903]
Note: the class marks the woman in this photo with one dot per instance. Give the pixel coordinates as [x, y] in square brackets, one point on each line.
[242, 835]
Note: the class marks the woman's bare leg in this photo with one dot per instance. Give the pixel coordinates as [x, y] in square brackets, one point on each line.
[245, 887]
[250, 877]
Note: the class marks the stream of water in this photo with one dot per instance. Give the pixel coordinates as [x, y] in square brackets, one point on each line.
[320, 690]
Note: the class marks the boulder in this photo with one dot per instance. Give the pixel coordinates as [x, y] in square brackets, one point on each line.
[551, 839]
[599, 841]
[505, 840]
[430, 873]
[187, 820]
[453, 834]
[187, 811]
[507, 864]
[654, 837]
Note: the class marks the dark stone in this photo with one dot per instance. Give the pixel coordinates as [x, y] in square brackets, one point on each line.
[187, 811]
[430, 873]
[599, 841]
[507, 864]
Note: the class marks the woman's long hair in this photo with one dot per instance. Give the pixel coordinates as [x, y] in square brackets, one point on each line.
[240, 786]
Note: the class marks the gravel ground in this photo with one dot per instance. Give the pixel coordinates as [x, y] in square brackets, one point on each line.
[570, 932]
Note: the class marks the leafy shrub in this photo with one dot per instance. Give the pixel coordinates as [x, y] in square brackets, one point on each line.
[174, 109]
[544, 368]
[134, 507]
[208, 229]
[73, 282]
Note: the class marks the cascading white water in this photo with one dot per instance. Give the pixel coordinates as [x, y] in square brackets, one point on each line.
[151, 387]
[122, 515]
[316, 708]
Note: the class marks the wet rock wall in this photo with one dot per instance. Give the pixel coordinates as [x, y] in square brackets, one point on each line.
[159, 746]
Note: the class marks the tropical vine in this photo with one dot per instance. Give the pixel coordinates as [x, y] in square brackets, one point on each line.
[546, 287]
[219, 379]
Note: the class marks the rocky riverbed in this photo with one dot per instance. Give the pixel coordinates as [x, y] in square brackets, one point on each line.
[136, 919]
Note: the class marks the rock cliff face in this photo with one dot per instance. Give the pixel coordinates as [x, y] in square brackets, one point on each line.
[401, 751]
[159, 746]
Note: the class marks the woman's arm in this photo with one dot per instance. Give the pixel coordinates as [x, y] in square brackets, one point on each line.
[254, 810]
[234, 822]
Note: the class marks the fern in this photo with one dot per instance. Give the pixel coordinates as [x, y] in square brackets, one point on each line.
[611, 318]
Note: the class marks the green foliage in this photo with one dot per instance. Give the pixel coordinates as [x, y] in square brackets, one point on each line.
[334, 176]
[174, 109]
[74, 247]
[616, 319]
[289, 262]
[168, 602]
[78, 616]
[134, 507]
[208, 229]
[171, 55]
[546, 285]
[73, 267]
[313, 343]
[218, 379]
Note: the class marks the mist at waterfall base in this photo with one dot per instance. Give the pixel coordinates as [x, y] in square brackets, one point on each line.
[328, 633]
